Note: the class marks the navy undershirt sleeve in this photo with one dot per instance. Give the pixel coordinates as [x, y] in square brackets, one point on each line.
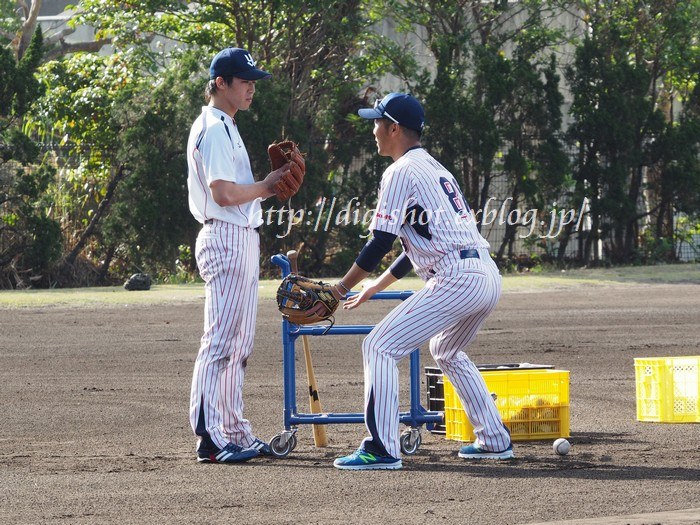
[401, 266]
[375, 250]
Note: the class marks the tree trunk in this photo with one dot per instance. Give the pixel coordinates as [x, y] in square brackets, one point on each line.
[509, 235]
[26, 32]
[104, 268]
[101, 209]
[631, 242]
[484, 196]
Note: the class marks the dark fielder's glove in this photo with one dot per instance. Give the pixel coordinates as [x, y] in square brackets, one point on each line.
[303, 301]
[281, 153]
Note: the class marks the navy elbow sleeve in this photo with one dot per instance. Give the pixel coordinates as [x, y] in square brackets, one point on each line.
[401, 266]
[375, 250]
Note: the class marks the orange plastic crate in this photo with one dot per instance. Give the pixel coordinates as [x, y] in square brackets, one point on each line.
[534, 404]
[668, 389]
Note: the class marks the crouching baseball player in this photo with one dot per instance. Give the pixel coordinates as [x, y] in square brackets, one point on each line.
[420, 202]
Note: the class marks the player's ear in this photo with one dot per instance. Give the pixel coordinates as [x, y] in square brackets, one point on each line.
[222, 82]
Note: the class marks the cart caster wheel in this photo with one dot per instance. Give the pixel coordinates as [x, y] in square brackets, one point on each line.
[410, 441]
[281, 449]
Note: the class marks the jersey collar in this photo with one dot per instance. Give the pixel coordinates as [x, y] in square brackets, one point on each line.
[413, 147]
[220, 114]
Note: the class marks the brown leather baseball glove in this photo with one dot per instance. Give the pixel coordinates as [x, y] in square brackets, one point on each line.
[281, 153]
[297, 295]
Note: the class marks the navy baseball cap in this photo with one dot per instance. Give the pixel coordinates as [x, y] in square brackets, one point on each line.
[235, 62]
[403, 109]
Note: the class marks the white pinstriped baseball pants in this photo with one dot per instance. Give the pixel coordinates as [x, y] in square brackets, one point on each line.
[228, 260]
[448, 312]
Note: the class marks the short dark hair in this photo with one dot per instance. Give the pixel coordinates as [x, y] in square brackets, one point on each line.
[211, 88]
[411, 133]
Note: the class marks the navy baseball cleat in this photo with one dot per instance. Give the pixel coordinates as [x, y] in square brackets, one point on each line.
[474, 452]
[231, 453]
[363, 460]
[262, 447]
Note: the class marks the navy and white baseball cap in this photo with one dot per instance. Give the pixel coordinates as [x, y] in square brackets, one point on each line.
[401, 108]
[235, 62]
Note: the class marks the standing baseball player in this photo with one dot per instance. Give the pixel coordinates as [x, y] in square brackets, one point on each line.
[420, 202]
[225, 198]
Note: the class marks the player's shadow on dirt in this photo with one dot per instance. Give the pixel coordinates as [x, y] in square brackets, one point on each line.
[533, 460]
[578, 465]
[604, 438]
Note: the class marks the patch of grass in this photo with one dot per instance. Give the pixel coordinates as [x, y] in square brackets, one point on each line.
[194, 292]
[658, 274]
[101, 296]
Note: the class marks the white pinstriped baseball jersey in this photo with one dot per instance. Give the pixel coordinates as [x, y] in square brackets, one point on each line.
[215, 151]
[462, 288]
[420, 201]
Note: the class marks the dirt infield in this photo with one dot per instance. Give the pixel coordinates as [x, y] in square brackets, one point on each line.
[95, 428]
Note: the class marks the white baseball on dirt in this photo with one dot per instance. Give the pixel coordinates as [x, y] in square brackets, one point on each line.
[561, 447]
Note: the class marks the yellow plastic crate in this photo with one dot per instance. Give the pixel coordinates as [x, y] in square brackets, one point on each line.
[668, 389]
[534, 404]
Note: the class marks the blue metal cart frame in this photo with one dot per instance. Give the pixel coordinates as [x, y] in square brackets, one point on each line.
[283, 443]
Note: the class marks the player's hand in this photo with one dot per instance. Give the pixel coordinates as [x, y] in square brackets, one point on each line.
[318, 310]
[274, 176]
[368, 291]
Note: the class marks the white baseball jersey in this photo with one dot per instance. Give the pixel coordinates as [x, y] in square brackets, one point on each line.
[463, 287]
[215, 151]
[420, 201]
[228, 258]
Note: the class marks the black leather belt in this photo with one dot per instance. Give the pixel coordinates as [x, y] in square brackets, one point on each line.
[211, 221]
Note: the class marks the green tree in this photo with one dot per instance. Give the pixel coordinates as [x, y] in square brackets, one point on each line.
[494, 87]
[320, 54]
[150, 219]
[611, 110]
[529, 123]
[84, 92]
[636, 62]
[30, 241]
[676, 179]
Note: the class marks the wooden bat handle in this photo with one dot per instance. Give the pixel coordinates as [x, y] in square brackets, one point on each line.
[320, 436]
[293, 257]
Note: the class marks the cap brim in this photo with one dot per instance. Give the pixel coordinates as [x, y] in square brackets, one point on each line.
[253, 74]
[369, 113]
